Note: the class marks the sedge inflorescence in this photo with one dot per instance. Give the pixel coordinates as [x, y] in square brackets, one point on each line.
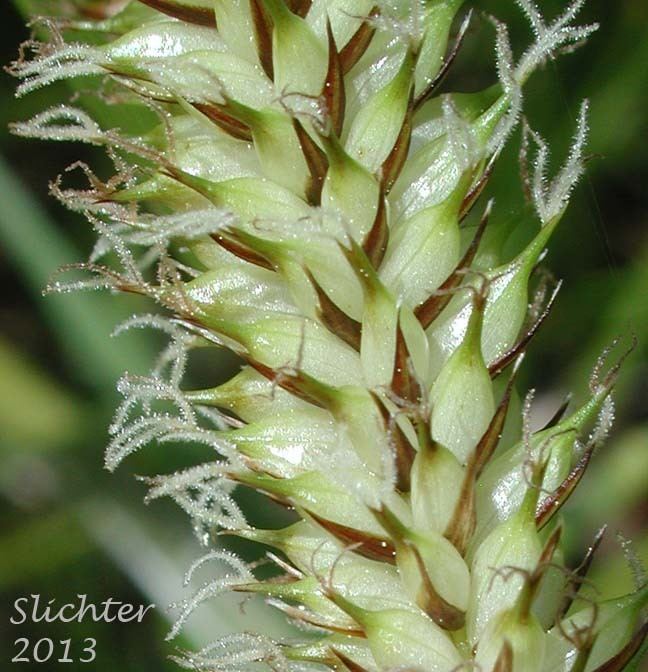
[310, 201]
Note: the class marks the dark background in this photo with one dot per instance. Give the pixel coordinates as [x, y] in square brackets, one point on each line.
[68, 527]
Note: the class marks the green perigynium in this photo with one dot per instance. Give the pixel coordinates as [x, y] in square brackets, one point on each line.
[304, 202]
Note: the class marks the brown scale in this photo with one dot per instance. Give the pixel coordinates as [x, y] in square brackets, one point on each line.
[444, 614]
[226, 122]
[363, 544]
[477, 189]
[315, 160]
[355, 48]
[334, 96]
[408, 394]
[102, 10]
[404, 452]
[404, 383]
[461, 526]
[242, 251]
[333, 91]
[263, 27]
[393, 164]
[335, 319]
[299, 7]
[552, 504]
[304, 616]
[376, 240]
[510, 355]
[558, 415]
[431, 88]
[347, 662]
[312, 619]
[504, 662]
[579, 574]
[202, 16]
[535, 578]
[298, 383]
[619, 662]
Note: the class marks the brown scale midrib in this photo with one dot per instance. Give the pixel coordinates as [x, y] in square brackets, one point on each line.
[201, 16]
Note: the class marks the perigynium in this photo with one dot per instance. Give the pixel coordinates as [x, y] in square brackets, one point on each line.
[310, 201]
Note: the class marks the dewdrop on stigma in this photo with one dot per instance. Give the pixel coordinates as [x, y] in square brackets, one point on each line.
[309, 197]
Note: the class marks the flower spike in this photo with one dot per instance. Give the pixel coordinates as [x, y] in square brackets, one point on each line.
[302, 196]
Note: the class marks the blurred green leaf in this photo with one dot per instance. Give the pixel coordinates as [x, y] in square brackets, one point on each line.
[57, 537]
[617, 480]
[28, 393]
[624, 314]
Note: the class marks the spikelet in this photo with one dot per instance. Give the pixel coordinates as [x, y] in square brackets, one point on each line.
[301, 204]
